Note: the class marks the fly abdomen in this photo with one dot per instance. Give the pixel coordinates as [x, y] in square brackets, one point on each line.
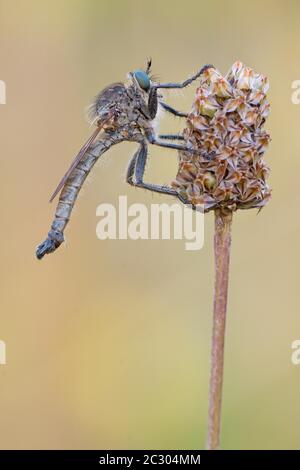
[69, 195]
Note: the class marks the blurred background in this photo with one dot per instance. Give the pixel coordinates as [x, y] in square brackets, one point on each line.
[108, 342]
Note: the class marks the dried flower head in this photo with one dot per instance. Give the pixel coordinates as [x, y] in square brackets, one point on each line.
[226, 126]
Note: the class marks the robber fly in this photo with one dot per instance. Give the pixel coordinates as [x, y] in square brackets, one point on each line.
[121, 112]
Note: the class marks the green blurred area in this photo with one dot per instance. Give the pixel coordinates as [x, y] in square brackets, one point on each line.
[108, 342]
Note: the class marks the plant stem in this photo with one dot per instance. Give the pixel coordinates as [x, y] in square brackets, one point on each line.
[222, 242]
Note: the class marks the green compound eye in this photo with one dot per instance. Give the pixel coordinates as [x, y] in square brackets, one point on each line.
[142, 79]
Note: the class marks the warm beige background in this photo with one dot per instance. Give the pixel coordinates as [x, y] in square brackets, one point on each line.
[108, 342]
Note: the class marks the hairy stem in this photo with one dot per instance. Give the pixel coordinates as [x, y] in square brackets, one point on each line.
[222, 242]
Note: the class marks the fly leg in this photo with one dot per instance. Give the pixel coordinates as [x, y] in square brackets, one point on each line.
[136, 170]
[171, 136]
[170, 145]
[153, 140]
[173, 111]
[153, 101]
[186, 82]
